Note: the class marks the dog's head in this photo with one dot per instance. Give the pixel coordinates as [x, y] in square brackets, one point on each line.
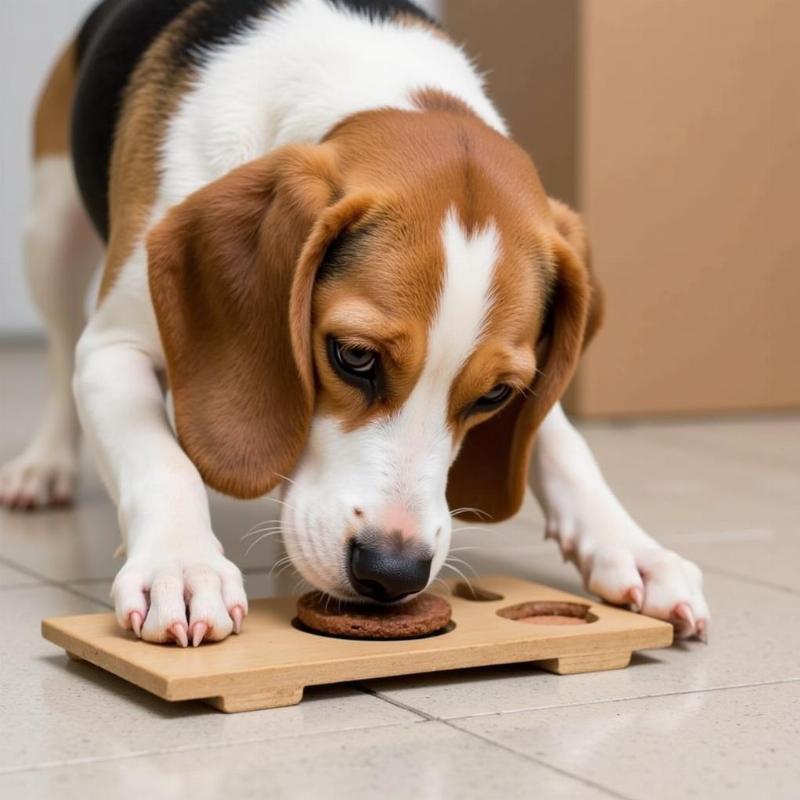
[382, 321]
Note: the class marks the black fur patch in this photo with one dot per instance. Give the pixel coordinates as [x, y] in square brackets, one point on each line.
[111, 43]
[113, 40]
[383, 9]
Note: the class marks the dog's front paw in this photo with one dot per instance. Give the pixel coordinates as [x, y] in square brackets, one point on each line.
[37, 479]
[184, 598]
[652, 580]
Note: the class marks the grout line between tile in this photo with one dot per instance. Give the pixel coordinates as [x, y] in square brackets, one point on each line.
[539, 762]
[24, 570]
[43, 580]
[430, 718]
[734, 687]
[16, 587]
[86, 596]
[376, 694]
[755, 581]
[737, 454]
[721, 537]
[22, 585]
[452, 723]
[654, 431]
[79, 762]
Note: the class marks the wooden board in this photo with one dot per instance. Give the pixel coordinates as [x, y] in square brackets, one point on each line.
[272, 661]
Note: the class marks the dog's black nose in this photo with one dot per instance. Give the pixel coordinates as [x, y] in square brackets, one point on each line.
[385, 573]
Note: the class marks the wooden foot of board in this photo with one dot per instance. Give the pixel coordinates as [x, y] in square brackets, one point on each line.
[72, 656]
[255, 701]
[590, 662]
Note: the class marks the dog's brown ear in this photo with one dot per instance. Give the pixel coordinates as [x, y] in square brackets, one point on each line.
[570, 225]
[490, 472]
[231, 272]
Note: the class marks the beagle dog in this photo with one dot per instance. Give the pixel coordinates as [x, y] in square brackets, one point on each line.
[317, 233]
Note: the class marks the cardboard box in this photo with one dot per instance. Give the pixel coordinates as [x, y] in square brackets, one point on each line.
[674, 127]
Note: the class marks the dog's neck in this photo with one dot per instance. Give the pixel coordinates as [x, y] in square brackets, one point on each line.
[295, 78]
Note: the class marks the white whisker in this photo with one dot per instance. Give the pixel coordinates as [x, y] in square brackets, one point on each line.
[444, 583]
[461, 574]
[466, 564]
[268, 524]
[287, 566]
[260, 538]
[284, 478]
[299, 583]
[283, 503]
[279, 563]
[464, 509]
[268, 531]
[477, 530]
[275, 521]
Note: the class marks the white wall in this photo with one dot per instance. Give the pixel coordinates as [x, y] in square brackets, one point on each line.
[31, 34]
[433, 7]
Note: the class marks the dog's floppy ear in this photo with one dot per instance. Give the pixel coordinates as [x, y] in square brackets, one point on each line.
[490, 472]
[231, 272]
[570, 225]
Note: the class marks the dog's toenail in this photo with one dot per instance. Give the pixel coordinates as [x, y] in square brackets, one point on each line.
[198, 632]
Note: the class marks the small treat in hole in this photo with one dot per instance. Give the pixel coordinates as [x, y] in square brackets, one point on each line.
[549, 613]
[424, 615]
[552, 619]
[471, 591]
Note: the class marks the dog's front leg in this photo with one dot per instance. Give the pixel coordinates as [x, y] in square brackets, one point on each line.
[617, 559]
[176, 584]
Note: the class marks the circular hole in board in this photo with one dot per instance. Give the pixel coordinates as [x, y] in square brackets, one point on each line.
[476, 593]
[548, 612]
[296, 623]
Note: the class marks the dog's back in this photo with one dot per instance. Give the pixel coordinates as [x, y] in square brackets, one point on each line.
[111, 45]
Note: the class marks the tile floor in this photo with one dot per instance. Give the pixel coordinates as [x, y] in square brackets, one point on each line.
[721, 721]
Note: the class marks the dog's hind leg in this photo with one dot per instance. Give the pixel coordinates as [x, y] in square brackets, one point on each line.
[62, 252]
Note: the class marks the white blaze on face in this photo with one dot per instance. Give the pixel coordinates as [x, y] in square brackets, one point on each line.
[466, 297]
[396, 465]
[464, 304]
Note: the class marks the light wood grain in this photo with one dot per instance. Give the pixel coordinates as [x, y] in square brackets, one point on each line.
[586, 662]
[271, 662]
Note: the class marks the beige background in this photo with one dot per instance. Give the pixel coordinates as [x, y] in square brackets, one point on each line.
[529, 53]
[675, 127]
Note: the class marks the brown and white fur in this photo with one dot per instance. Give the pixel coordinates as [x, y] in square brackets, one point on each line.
[381, 162]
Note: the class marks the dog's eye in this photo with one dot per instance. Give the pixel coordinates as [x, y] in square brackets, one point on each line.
[493, 399]
[358, 366]
[357, 360]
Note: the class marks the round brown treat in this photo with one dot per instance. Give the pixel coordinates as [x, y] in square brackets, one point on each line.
[552, 619]
[422, 616]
